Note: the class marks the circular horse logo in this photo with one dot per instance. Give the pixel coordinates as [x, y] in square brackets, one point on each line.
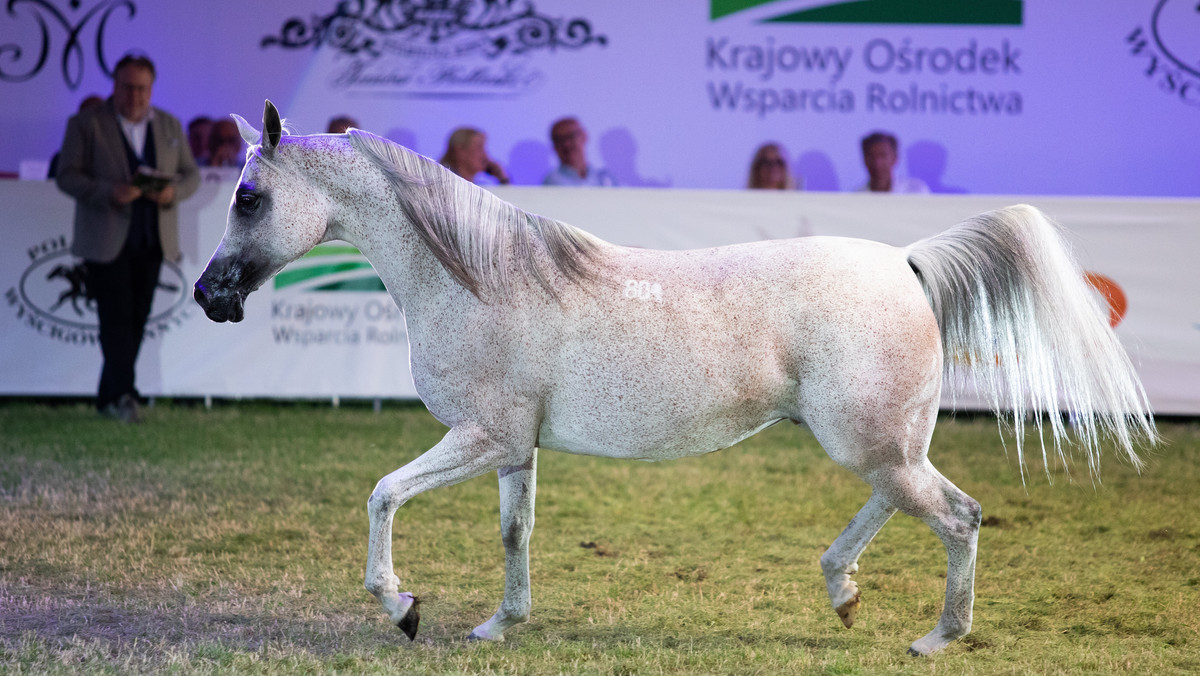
[1176, 27]
[54, 287]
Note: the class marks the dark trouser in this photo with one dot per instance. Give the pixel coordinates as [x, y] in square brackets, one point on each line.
[124, 292]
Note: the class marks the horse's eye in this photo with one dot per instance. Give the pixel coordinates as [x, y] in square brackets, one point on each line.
[247, 202]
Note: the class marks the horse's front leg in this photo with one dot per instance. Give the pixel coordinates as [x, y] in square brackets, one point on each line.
[465, 452]
[518, 489]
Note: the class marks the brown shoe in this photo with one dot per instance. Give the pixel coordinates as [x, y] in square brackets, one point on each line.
[125, 410]
[112, 411]
[131, 410]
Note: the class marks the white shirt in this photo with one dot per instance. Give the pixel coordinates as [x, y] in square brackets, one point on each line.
[910, 185]
[135, 132]
[565, 175]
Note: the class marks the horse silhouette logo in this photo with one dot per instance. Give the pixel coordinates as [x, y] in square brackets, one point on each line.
[52, 296]
[78, 291]
[77, 288]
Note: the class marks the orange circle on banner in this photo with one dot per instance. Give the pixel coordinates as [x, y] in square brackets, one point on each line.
[1118, 305]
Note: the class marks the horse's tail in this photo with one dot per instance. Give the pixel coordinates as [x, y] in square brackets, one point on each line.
[1016, 314]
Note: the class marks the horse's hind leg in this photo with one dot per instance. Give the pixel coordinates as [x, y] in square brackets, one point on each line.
[518, 488]
[465, 452]
[954, 516]
[887, 447]
[840, 561]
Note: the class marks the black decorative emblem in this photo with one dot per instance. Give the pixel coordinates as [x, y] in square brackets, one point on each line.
[1176, 26]
[73, 22]
[435, 28]
[77, 290]
[52, 296]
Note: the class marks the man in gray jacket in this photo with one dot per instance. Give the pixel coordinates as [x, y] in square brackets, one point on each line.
[127, 164]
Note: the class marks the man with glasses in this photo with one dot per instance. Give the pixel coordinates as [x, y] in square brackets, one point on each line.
[570, 142]
[127, 164]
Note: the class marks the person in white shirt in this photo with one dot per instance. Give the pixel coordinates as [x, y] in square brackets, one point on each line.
[570, 143]
[880, 152]
[127, 164]
[466, 155]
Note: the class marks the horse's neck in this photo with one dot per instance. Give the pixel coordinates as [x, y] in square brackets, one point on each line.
[375, 224]
[462, 239]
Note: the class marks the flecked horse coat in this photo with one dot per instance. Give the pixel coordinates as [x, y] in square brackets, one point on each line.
[526, 333]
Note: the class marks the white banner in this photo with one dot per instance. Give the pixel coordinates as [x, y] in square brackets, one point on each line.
[325, 328]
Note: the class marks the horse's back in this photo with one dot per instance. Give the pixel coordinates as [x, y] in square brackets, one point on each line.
[679, 353]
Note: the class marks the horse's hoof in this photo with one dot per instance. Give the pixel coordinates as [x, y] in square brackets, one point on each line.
[848, 610]
[936, 640]
[485, 635]
[408, 623]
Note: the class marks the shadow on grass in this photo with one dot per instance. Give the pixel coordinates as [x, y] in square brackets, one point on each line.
[124, 630]
[158, 625]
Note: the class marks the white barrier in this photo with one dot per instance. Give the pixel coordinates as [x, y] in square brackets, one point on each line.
[324, 328]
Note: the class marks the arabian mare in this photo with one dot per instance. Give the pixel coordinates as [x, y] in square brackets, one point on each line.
[527, 333]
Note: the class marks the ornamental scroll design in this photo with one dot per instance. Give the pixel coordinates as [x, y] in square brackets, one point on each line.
[19, 65]
[366, 27]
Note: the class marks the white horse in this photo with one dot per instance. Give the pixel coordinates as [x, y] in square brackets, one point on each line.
[526, 333]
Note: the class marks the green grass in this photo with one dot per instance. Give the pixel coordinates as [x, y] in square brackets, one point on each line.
[235, 540]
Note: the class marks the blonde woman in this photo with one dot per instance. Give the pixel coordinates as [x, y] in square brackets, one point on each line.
[769, 170]
[465, 155]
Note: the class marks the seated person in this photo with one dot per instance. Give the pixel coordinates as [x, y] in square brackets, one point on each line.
[90, 101]
[769, 170]
[570, 142]
[880, 152]
[198, 131]
[340, 124]
[225, 145]
[465, 155]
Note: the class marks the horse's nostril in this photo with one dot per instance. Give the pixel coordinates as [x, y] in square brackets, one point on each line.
[199, 295]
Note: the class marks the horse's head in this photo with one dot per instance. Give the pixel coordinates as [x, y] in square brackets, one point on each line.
[276, 215]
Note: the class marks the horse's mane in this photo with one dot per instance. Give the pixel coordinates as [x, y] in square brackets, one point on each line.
[474, 234]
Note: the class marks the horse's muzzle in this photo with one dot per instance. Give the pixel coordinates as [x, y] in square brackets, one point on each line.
[219, 306]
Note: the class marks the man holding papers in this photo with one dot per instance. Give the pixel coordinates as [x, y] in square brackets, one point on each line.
[127, 164]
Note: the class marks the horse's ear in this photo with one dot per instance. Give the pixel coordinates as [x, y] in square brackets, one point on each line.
[272, 126]
[249, 134]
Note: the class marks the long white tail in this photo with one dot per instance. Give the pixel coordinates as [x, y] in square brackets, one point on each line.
[1015, 313]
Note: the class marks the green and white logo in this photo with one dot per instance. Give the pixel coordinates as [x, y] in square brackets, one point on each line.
[331, 267]
[332, 297]
[936, 12]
